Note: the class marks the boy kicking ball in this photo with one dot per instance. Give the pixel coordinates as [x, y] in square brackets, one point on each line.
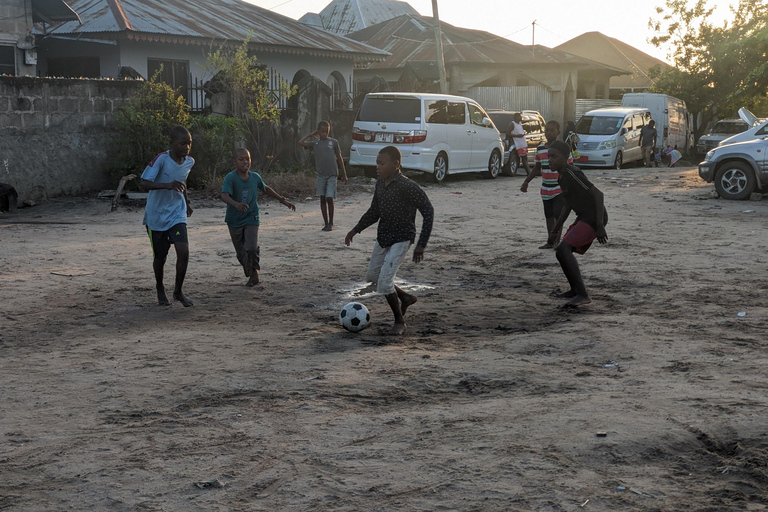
[586, 200]
[395, 201]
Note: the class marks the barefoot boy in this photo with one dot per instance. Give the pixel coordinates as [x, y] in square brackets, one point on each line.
[550, 190]
[586, 200]
[394, 205]
[328, 161]
[241, 191]
[167, 210]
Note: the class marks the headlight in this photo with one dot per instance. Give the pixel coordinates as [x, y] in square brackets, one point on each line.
[709, 156]
[608, 144]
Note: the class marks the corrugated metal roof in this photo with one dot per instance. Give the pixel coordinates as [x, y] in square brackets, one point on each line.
[52, 11]
[203, 21]
[345, 16]
[412, 38]
[607, 50]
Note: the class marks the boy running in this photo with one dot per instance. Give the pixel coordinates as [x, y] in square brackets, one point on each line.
[241, 191]
[394, 205]
[165, 215]
[328, 161]
[586, 200]
[550, 190]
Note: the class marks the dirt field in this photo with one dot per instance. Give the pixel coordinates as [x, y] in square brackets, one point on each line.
[496, 399]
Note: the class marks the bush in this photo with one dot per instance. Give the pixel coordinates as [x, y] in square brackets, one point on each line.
[214, 140]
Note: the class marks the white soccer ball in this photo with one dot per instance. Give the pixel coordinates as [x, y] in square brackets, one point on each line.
[354, 317]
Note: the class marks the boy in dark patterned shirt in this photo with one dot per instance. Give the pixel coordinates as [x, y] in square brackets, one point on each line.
[586, 200]
[394, 206]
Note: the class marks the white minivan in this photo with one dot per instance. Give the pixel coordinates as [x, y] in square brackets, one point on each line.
[608, 137]
[436, 133]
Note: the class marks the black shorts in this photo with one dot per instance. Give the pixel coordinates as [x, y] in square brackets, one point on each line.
[553, 207]
[161, 240]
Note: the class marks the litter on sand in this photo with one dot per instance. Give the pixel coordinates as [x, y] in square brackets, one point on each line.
[741, 314]
[208, 484]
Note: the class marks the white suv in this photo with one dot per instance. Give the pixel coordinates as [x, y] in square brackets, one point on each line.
[436, 133]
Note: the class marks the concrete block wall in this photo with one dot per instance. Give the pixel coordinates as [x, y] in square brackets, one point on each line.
[54, 133]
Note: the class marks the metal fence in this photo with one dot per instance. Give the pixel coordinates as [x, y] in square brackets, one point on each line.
[200, 92]
[514, 98]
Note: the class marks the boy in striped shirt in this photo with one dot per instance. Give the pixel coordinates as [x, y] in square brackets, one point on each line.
[550, 190]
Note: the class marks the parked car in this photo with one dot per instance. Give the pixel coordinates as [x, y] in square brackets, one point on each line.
[533, 125]
[608, 137]
[722, 130]
[436, 133]
[737, 169]
[757, 128]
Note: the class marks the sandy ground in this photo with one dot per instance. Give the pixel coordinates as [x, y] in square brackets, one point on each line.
[496, 399]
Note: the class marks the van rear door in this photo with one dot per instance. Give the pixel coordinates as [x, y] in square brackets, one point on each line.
[381, 118]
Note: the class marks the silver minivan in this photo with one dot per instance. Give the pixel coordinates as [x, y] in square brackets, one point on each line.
[608, 137]
[436, 133]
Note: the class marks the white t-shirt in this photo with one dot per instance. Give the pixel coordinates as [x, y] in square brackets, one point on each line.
[520, 142]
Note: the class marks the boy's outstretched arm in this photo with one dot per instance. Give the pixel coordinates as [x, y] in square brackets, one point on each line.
[427, 218]
[340, 160]
[271, 193]
[228, 199]
[536, 171]
[368, 219]
[602, 236]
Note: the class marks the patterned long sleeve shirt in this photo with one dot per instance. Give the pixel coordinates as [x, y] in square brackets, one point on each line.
[394, 207]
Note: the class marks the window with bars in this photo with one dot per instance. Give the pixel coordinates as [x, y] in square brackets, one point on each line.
[7, 60]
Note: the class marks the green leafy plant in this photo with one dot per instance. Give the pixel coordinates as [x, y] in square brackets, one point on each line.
[214, 139]
[142, 127]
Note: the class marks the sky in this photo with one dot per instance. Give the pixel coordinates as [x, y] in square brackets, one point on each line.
[625, 20]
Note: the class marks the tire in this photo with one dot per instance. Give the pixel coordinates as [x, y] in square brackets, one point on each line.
[441, 168]
[735, 180]
[619, 161]
[511, 168]
[494, 165]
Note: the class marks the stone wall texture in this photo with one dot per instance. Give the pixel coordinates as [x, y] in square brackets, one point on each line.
[54, 133]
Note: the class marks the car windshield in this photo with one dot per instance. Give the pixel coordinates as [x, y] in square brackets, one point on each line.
[390, 110]
[729, 127]
[598, 125]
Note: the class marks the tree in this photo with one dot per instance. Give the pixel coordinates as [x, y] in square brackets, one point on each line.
[238, 74]
[718, 69]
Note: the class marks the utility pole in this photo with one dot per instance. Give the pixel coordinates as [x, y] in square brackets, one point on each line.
[533, 39]
[439, 49]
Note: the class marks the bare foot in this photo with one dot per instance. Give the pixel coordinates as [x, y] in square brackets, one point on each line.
[409, 300]
[397, 330]
[580, 300]
[567, 295]
[183, 299]
[254, 280]
[547, 246]
[328, 227]
[162, 298]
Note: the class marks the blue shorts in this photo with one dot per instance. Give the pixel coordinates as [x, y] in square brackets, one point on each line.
[326, 186]
[161, 240]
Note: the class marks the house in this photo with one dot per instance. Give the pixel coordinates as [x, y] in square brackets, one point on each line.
[18, 56]
[141, 37]
[612, 52]
[495, 71]
[346, 16]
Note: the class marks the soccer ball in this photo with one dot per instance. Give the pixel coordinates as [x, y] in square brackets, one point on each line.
[354, 317]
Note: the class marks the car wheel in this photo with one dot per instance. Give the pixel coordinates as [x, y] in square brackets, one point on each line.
[441, 168]
[619, 161]
[494, 165]
[735, 180]
[511, 168]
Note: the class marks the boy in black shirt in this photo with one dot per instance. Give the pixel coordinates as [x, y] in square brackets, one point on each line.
[586, 200]
[394, 206]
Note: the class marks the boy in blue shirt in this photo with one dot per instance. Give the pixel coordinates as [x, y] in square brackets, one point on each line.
[167, 210]
[241, 191]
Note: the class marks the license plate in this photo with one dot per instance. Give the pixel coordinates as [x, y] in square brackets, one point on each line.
[583, 159]
[383, 137]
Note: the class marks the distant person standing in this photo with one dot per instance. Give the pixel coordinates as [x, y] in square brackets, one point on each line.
[328, 162]
[518, 143]
[648, 141]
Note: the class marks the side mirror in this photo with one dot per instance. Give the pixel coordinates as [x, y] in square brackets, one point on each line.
[623, 131]
[486, 122]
